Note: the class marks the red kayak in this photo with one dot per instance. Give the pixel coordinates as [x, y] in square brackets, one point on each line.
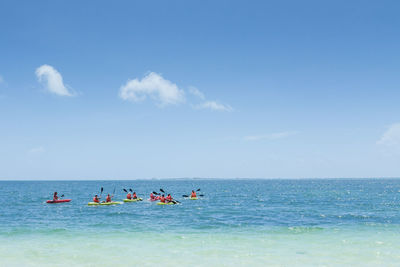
[58, 201]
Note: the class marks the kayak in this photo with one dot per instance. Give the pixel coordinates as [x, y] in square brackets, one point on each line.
[162, 203]
[133, 200]
[58, 201]
[104, 203]
[193, 198]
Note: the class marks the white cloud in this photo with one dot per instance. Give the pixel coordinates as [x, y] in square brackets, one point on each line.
[213, 105]
[154, 85]
[196, 92]
[53, 80]
[272, 136]
[391, 137]
[164, 92]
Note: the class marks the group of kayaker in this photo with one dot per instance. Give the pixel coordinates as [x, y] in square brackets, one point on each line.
[154, 196]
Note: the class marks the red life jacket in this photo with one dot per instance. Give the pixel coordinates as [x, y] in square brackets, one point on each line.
[134, 195]
[193, 194]
[108, 199]
[162, 199]
[95, 199]
[128, 196]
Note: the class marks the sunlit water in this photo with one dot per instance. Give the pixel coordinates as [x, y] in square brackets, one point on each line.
[237, 222]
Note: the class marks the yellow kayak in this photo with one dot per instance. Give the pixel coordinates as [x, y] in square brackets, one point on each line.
[133, 200]
[162, 203]
[104, 203]
[193, 198]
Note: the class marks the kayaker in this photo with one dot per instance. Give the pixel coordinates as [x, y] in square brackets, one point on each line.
[96, 199]
[55, 197]
[162, 199]
[108, 199]
[134, 195]
[193, 194]
[129, 196]
[152, 197]
[169, 198]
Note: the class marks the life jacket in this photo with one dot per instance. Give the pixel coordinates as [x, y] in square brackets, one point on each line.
[151, 196]
[169, 198]
[108, 199]
[128, 196]
[162, 199]
[95, 199]
[134, 195]
[193, 194]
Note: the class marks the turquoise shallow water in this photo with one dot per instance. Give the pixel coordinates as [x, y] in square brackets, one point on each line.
[238, 222]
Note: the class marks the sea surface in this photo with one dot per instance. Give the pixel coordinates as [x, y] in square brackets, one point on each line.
[246, 222]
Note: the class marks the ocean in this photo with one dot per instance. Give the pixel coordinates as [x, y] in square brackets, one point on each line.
[238, 222]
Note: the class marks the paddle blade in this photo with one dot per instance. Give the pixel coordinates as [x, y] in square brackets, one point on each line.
[185, 195]
[201, 195]
[198, 190]
[62, 195]
[162, 190]
[125, 190]
[101, 191]
[130, 189]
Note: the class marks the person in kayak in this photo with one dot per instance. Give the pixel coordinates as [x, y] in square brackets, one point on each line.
[162, 199]
[169, 198]
[193, 194]
[152, 197]
[96, 199]
[108, 199]
[129, 196]
[134, 195]
[55, 197]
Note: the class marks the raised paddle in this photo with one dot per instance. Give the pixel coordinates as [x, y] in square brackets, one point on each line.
[198, 190]
[125, 190]
[185, 195]
[101, 191]
[155, 193]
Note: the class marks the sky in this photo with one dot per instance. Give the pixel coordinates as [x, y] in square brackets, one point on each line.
[211, 89]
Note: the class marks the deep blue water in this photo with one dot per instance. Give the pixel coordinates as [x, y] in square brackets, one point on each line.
[227, 205]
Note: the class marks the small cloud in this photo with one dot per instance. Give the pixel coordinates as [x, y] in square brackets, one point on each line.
[213, 105]
[391, 137]
[53, 80]
[36, 150]
[154, 85]
[196, 92]
[272, 136]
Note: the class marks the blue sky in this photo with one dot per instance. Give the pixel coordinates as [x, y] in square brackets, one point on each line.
[224, 89]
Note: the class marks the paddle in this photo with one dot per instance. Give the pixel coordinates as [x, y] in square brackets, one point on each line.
[113, 193]
[125, 190]
[101, 191]
[198, 190]
[155, 193]
[185, 195]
